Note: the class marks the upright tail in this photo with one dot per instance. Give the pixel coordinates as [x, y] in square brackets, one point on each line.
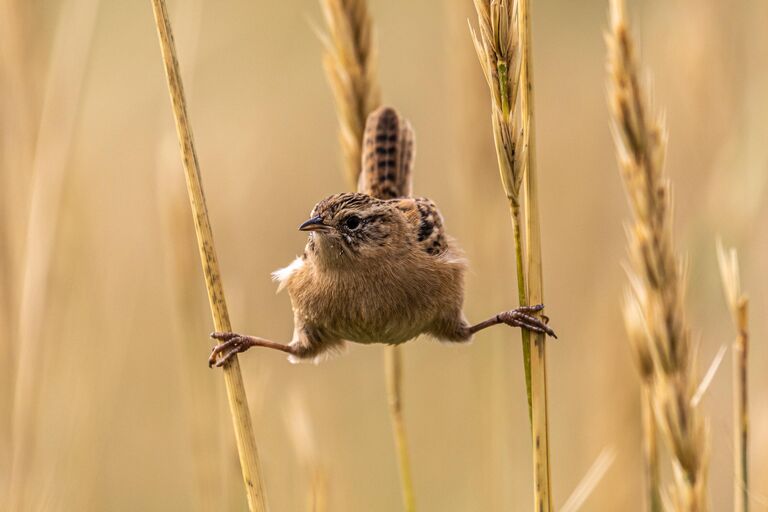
[388, 152]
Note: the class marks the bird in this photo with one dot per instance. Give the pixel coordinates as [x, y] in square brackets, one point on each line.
[378, 265]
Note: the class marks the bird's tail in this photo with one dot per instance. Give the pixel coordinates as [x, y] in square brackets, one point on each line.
[388, 153]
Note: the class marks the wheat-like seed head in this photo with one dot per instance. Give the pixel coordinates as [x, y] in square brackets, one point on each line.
[638, 336]
[654, 313]
[729, 272]
[497, 49]
[350, 65]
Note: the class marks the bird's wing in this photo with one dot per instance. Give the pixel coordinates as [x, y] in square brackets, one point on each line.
[388, 152]
[427, 224]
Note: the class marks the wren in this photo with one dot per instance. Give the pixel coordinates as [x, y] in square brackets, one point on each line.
[378, 266]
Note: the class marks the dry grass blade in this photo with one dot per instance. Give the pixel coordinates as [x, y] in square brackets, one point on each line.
[706, 381]
[238, 402]
[738, 305]
[350, 65]
[63, 87]
[590, 481]
[656, 319]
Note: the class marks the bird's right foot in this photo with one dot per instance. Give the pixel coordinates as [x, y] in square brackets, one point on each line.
[231, 344]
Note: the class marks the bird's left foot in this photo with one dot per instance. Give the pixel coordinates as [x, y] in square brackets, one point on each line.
[524, 317]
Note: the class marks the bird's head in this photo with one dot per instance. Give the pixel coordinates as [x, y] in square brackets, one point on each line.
[354, 228]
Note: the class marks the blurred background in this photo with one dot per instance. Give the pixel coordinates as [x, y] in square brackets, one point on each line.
[104, 317]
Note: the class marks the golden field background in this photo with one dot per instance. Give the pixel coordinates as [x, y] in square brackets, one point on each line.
[107, 403]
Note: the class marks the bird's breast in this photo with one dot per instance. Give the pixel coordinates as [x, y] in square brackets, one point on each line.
[375, 304]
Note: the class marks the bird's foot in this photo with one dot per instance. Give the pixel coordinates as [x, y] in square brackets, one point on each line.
[231, 344]
[524, 317]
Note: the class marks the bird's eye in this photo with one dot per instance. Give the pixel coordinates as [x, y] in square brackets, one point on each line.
[352, 222]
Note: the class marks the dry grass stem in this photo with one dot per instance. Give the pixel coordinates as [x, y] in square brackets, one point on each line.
[16, 147]
[200, 400]
[590, 481]
[17, 140]
[504, 49]
[208, 444]
[393, 362]
[350, 65]
[70, 50]
[534, 276]
[654, 312]
[246, 444]
[738, 305]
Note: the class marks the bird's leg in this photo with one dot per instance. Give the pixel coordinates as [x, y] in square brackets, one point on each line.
[520, 317]
[233, 343]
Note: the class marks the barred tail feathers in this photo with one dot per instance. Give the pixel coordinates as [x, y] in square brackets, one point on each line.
[388, 153]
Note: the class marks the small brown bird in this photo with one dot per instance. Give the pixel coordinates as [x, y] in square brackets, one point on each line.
[378, 267]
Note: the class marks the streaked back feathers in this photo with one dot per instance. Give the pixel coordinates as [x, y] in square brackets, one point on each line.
[356, 220]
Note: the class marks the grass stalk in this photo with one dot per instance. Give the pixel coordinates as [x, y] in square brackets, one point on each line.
[214, 479]
[244, 436]
[393, 361]
[522, 299]
[654, 309]
[350, 66]
[504, 49]
[16, 147]
[538, 363]
[317, 498]
[497, 45]
[650, 450]
[738, 305]
[63, 88]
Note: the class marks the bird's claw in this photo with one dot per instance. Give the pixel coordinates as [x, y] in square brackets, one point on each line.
[231, 344]
[524, 317]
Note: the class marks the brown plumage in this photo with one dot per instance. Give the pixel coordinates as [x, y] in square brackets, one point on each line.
[378, 267]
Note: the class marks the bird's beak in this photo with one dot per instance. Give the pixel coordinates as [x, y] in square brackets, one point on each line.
[313, 224]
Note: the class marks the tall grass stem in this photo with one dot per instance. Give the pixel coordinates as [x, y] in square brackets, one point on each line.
[538, 364]
[503, 47]
[655, 305]
[245, 439]
[64, 83]
[393, 363]
[738, 305]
